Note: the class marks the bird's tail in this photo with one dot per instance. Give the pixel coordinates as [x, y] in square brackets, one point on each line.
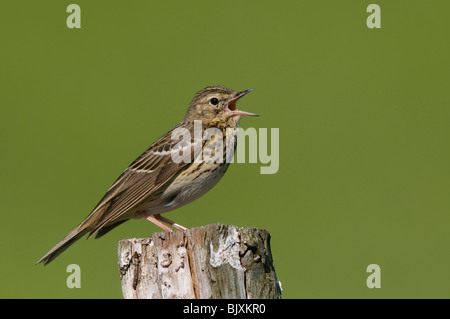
[72, 237]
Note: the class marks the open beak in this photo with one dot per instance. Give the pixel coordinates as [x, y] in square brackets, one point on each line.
[231, 105]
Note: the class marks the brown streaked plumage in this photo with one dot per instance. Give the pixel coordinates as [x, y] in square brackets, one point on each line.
[154, 184]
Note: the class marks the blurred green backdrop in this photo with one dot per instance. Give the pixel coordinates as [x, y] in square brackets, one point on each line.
[364, 135]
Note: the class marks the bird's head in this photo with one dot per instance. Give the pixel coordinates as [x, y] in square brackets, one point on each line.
[216, 106]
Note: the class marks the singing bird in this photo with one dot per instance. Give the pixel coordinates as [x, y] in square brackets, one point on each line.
[154, 183]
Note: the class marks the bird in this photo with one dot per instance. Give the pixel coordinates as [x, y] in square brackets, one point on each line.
[155, 183]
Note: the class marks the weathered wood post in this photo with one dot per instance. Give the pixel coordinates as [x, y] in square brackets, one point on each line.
[214, 261]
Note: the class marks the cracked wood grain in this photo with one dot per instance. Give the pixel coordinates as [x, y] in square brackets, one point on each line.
[210, 262]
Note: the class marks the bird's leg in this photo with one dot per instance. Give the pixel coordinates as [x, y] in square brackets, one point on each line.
[171, 223]
[154, 221]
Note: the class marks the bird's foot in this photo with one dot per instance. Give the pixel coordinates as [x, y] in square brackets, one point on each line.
[158, 219]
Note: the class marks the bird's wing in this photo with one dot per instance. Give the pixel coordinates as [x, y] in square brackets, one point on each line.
[145, 175]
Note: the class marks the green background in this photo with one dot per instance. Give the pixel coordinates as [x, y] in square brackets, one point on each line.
[364, 135]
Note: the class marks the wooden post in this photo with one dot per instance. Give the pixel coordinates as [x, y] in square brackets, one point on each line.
[214, 261]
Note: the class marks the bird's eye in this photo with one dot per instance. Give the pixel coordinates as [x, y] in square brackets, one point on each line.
[214, 101]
